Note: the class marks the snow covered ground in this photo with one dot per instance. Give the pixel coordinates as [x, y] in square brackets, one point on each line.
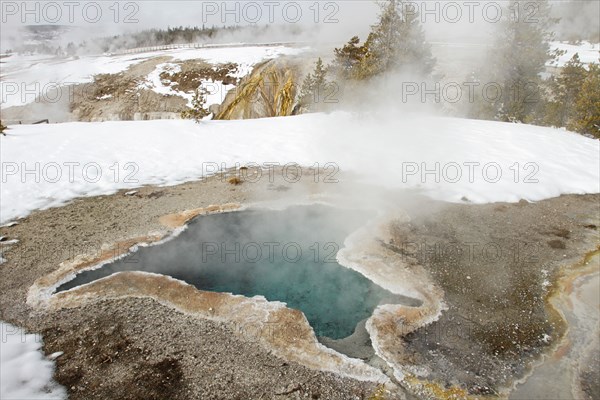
[25, 373]
[25, 77]
[448, 158]
[216, 90]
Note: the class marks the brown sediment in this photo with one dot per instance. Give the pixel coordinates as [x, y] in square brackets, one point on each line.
[180, 219]
[43, 286]
[558, 300]
[283, 331]
[568, 363]
[194, 72]
[437, 391]
[41, 289]
[564, 287]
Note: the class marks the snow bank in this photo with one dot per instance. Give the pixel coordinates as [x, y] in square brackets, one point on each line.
[447, 158]
[26, 77]
[244, 55]
[25, 374]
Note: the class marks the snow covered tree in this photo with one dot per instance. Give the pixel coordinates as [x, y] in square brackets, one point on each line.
[397, 43]
[198, 110]
[2, 128]
[519, 56]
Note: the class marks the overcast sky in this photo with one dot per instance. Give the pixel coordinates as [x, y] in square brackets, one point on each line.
[326, 21]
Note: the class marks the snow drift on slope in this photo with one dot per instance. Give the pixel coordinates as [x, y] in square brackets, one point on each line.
[25, 374]
[24, 77]
[481, 161]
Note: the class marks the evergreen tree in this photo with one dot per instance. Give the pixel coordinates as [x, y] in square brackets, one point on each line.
[396, 43]
[198, 110]
[2, 128]
[319, 75]
[348, 59]
[314, 89]
[565, 90]
[519, 57]
[71, 49]
[305, 96]
[587, 108]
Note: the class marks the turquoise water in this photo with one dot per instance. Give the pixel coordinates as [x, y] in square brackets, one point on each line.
[286, 255]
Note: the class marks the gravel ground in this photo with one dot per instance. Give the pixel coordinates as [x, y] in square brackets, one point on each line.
[497, 265]
[140, 349]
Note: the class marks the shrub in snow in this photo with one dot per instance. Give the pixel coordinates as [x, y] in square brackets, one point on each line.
[198, 110]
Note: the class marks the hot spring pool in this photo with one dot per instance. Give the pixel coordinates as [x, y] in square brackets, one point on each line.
[286, 255]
